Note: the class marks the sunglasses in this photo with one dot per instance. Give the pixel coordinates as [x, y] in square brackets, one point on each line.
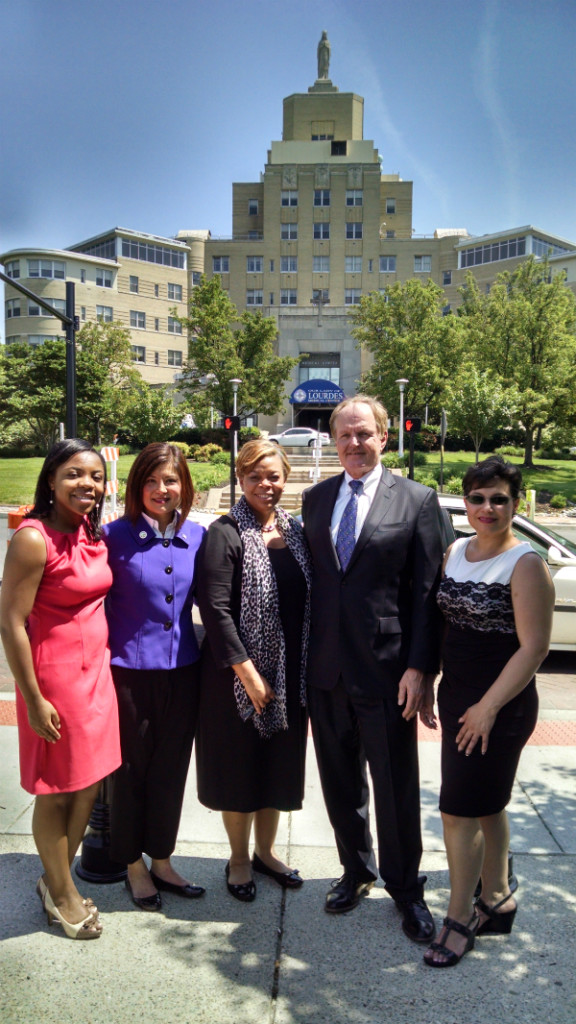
[479, 499]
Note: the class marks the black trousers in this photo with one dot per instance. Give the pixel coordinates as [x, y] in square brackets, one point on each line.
[350, 733]
[158, 713]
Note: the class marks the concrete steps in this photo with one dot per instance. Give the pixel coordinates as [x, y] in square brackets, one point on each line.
[302, 464]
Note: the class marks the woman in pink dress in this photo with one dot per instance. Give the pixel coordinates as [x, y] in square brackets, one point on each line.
[56, 640]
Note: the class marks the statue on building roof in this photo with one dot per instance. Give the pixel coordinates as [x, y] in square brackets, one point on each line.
[324, 57]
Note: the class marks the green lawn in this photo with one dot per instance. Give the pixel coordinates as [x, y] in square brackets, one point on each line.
[18, 477]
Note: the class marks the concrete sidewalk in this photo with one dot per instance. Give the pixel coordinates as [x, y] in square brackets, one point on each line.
[282, 959]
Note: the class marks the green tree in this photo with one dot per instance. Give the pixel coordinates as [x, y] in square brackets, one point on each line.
[225, 345]
[34, 389]
[152, 415]
[478, 404]
[407, 335]
[106, 378]
[524, 331]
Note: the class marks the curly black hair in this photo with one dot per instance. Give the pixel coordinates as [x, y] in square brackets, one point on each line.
[493, 468]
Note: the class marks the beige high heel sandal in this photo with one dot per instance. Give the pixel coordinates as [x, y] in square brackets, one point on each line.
[42, 889]
[86, 929]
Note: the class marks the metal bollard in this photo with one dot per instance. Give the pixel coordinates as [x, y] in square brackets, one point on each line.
[95, 864]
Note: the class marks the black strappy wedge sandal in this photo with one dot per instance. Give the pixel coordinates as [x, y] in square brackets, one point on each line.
[496, 924]
[469, 932]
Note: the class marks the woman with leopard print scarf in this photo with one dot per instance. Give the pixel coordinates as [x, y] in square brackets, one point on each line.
[254, 578]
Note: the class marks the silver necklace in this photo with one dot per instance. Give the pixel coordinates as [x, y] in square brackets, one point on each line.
[268, 529]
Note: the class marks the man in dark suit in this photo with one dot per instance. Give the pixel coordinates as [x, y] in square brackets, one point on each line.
[377, 549]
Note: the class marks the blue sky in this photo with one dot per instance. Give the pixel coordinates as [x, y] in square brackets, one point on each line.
[141, 113]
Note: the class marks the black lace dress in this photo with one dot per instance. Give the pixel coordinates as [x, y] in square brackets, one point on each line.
[480, 638]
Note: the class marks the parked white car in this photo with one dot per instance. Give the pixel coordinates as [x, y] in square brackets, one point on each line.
[558, 552]
[298, 437]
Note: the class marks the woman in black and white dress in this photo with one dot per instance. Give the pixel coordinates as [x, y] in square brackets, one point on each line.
[497, 599]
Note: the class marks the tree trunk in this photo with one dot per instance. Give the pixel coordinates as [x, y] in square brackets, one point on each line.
[529, 449]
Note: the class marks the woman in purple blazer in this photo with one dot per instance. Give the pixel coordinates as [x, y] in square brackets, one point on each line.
[152, 553]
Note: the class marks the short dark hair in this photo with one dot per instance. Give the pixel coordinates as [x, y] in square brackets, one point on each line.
[493, 468]
[159, 453]
[60, 453]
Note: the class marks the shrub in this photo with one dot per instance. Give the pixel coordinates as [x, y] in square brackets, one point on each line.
[425, 478]
[220, 458]
[184, 448]
[453, 485]
[189, 435]
[248, 434]
[558, 501]
[392, 460]
[205, 452]
[509, 449]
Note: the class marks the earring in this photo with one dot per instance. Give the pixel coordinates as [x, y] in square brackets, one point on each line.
[51, 497]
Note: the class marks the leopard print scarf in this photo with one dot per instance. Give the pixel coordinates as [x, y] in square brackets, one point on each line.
[260, 625]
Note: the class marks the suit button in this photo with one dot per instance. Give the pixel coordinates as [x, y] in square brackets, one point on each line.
[165, 543]
[168, 570]
[167, 626]
[169, 598]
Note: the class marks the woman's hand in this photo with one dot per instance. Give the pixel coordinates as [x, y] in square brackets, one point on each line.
[44, 719]
[259, 690]
[476, 722]
[426, 713]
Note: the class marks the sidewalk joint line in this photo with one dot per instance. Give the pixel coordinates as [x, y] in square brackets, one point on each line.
[280, 935]
[539, 816]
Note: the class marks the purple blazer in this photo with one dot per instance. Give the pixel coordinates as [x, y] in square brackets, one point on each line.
[149, 606]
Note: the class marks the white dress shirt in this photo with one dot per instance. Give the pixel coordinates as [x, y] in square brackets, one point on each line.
[170, 530]
[365, 499]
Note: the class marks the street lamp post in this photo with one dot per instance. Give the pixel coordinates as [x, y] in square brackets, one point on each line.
[402, 382]
[234, 441]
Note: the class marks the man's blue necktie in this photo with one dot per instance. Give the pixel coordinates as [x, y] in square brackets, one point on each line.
[345, 540]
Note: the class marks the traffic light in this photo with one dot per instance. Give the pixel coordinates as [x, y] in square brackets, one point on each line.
[232, 423]
[412, 424]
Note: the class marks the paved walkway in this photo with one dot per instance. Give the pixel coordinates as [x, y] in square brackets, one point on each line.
[282, 960]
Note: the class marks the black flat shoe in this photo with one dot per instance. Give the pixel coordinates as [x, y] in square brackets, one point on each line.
[417, 921]
[145, 902]
[287, 879]
[346, 892]
[245, 892]
[191, 892]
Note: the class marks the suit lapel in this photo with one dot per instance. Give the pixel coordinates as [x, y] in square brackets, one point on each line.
[325, 515]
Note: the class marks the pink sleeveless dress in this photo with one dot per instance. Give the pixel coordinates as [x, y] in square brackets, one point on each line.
[69, 640]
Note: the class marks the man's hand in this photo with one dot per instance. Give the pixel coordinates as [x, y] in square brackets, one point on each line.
[411, 692]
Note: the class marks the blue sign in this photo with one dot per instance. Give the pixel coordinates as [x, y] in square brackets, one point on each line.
[317, 392]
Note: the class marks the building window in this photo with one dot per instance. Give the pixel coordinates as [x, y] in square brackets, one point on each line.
[271, 298]
[254, 234]
[137, 319]
[175, 292]
[174, 357]
[390, 206]
[254, 297]
[156, 290]
[146, 251]
[354, 197]
[83, 277]
[271, 266]
[352, 296]
[157, 358]
[288, 297]
[138, 353]
[370, 264]
[12, 308]
[322, 197]
[353, 264]
[446, 309]
[105, 314]
[322, 230]
[13, 269]
[447, 277]
[354, 229]
[174, 326]
[220, 264]
[321, 264]
[288, 264]
[36, 310]
[422, 264]
[252, 207]
[196, 278]
[325, 366]
[289, 197]
[493, 251]
[387, 264]
[338, 149]
[104, 278]
[390, 234]
[47, 269]
[82, 312]
[156, 323]
[289, 232]
[133, 284]
[254, 264]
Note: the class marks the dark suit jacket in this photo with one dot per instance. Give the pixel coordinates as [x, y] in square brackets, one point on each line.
[379, 617]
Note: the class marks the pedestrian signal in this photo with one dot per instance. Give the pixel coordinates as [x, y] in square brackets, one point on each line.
[232, 422]
[412, 424]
